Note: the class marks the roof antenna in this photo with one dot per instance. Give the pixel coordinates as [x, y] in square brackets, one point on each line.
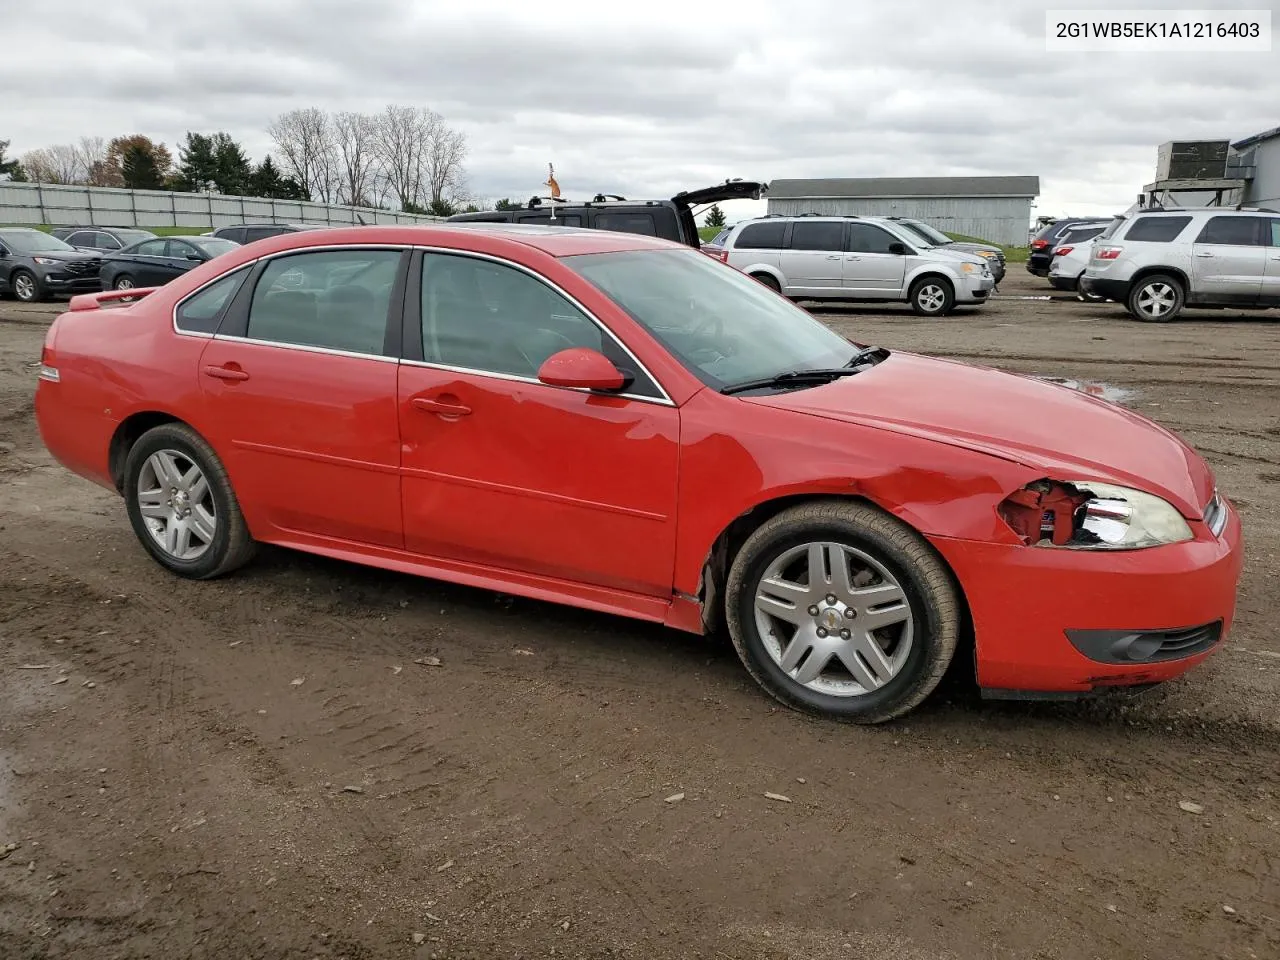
[554, 187]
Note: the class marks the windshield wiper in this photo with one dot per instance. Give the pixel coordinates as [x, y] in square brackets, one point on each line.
[867, 355]
[819, 375]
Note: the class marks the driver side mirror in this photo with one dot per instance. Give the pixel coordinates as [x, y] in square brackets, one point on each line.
[583, 369]
[4, 253]
[196, 256]
[899, 249]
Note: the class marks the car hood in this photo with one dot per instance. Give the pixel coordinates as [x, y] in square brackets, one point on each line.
[64, 255]
[966, 247]
[949, 252]
[1061, 432]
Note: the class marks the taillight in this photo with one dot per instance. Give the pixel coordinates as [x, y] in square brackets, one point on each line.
[1039, 244]
[1106, 253]
[723, 256]
[1062, 251]
[48, 364]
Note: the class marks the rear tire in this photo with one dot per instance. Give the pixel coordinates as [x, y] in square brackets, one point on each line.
[884, 634]
[181, 504]
[1156, 299]
[767, 280]
[932, 297]
[123, 282]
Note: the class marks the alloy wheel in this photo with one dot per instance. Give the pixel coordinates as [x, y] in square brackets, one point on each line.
[931, 298]
[834, 619]
[1156, 300]
[24, 287]
[177, 505]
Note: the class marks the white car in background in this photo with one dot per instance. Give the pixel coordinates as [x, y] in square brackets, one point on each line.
[1071, 257]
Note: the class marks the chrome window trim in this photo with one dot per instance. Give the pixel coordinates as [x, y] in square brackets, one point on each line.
[665, 400]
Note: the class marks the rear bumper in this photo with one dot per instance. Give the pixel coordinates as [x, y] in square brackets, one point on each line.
[1060, 621]
[1117, 290]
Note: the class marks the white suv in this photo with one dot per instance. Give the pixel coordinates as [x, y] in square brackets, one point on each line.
[1157, 262]
[855, 258]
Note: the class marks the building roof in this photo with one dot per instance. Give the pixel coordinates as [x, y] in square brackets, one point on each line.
[1256, 138]
[880, 187]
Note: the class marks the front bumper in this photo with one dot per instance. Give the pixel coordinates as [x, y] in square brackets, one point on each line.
[58, 282]
[1036, 609]
[975, 289]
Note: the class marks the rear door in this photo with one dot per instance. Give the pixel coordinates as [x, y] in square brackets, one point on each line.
[1271, 278]
[147, 264]
[870, 269]
[1229, 259]
[813, 256]
[299, 390]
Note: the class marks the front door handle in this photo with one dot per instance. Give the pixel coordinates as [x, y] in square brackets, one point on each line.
[833, 257]
[225, 373]
[443, 408]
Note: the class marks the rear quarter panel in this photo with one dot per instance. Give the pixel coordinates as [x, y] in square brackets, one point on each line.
[113, 363]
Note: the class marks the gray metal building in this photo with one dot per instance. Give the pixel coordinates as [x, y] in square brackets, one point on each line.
[1260, 156]
[996, 209]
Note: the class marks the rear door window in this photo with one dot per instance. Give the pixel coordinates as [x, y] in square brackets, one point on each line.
[1157, 229]
[333, 299]
[1232, 231]
[151, 248]
[260, 233]
[817, 235]
[761, 236]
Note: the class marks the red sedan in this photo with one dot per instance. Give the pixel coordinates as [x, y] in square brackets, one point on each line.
[621, 423]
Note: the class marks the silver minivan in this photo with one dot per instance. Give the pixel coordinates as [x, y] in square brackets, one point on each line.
[863, 259]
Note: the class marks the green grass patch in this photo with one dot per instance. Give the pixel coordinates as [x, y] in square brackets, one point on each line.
[707, 234]
[158, 231]
[1011, 254]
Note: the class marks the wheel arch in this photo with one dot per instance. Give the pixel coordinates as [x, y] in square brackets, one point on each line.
[930, 273]
[757, 270]
[128, 431]
[719, 557]
[1174, 272]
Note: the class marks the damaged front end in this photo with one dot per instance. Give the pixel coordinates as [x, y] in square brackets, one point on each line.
[1088, 515]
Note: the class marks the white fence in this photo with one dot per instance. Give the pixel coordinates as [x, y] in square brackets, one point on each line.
[35, 203]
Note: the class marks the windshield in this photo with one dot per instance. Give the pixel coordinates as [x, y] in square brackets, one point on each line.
[936, 237]
[213, 246]
[32, 241]
[722, 325]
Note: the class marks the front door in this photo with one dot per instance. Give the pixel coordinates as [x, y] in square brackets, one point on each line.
[299, 396]
[869, 268]
[1228, 260]
[502, 470]
[812, 257]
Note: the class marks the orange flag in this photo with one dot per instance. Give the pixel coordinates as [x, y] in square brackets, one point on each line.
[551, 182]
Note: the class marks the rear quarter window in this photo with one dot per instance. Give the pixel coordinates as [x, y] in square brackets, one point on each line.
[1157, 229]
[203, 312]
[658, 222]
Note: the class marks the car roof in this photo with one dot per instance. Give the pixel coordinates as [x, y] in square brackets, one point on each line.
[554, 241]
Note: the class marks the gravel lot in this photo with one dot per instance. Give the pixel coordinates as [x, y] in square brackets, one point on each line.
[257, 767]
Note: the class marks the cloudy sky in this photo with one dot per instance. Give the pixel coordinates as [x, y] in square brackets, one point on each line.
[644, 99]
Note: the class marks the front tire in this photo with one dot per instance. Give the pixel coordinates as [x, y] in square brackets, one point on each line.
[932, 297]
[181, 504]
[837, 608]
[25, 286]
[1156, 299]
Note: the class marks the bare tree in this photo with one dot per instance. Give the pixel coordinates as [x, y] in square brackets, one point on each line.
[94, 165]
[354, 136]
[41, 167]
[305, 141]
[446, 179]
[401, 140]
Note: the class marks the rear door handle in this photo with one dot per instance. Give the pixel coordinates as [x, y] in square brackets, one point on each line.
[444, 408]
[225, 373]
[1204, 253]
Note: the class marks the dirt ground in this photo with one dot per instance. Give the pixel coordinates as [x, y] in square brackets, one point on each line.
[257, 767]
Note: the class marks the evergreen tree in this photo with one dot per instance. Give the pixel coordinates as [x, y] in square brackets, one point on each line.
[231, 169]
[139, 168]
[715, 216]
[197, 164]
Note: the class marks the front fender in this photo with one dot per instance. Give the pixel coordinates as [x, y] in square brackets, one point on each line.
[938, 489]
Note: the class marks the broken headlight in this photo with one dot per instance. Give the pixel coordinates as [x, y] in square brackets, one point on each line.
[1086, 515]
